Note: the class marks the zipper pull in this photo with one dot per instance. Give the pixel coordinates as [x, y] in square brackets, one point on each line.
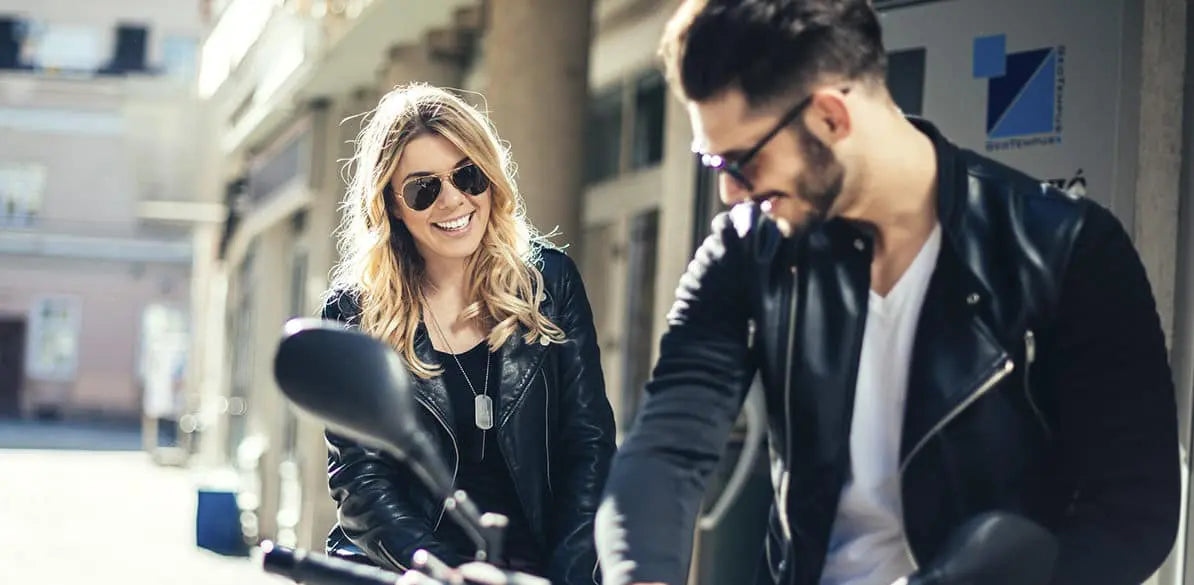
[1029, 346]
[750, 333]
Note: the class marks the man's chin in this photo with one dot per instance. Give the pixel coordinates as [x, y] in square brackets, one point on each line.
[791, 226]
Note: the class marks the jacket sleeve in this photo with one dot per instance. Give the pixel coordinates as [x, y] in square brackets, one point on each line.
[375, 508]
[373, 492]
[646, 521]
[586, 438]
[1117, 418]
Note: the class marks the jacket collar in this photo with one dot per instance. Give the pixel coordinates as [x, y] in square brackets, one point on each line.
[518, 360]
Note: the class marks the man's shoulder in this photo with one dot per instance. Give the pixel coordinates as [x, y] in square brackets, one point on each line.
[743, 228]
[997, 178]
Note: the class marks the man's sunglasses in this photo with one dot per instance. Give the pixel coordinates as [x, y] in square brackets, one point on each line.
[419, 193]
[736, 167]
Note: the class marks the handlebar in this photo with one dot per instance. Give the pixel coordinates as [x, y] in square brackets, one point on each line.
[302, 567]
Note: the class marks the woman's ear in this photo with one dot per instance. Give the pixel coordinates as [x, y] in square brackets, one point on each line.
[392, 202]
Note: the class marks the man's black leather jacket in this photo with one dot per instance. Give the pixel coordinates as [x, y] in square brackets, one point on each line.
[1039, 384]
[554, 425]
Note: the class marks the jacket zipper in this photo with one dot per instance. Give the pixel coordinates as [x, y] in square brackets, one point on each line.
[784, 482]
[1029, 358]
[547, 447]
[1006, 368]
[547, 427]
[385, 552]
[455, 463]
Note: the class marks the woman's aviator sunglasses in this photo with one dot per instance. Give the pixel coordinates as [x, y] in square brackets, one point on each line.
[420, 192]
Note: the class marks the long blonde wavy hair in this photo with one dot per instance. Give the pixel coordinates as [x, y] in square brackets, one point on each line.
[379, 262]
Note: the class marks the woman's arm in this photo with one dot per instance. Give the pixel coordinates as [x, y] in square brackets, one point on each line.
[374, 493]
[585, 442]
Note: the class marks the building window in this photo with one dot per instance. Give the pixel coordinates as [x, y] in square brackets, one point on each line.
[906, 79]
[180, 55]
[272, 171]
[128, 56]
[650, 95]
[640, 295]
[21, 188]
[626, 127]
[12, 34]
[54, 333]
[164, 341]
[604, 144]
[63, 47]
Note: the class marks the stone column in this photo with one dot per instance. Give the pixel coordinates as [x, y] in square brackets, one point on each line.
[417, 62]
[1158, 199]
[265, 402]
[537, 58]
[675, 213]
[332, 135]
[1160, 151]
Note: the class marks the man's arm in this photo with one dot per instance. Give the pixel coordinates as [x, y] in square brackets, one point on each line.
[1117, 421]
[645, 524]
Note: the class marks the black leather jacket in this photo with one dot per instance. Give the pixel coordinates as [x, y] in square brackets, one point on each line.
[1039, 384]
[554, 426]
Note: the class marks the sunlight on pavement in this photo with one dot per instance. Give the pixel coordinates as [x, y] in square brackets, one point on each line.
[105, 518]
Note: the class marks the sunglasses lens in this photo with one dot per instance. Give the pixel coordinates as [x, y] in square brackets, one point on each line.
[469, 179]
[421, 193]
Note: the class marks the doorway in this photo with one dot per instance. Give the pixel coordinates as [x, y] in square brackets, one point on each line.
[12, 366]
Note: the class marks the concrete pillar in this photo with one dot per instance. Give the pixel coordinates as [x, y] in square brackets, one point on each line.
[1160, 154]
[334, 126]
[416, 62]
[1158, 199]
[207, 373]
[537, 98]
[265, 403]
[675, 213]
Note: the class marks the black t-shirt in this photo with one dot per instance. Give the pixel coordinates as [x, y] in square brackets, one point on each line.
[483, 472]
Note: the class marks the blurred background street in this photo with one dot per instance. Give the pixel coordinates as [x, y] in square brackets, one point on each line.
[81, 504]
[170, 174]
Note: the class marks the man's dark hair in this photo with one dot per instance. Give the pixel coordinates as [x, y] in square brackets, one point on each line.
[770, 48]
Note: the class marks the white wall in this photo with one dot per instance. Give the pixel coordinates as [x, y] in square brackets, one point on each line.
[1093, 74]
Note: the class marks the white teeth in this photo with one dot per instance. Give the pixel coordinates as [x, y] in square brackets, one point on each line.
[455, 224]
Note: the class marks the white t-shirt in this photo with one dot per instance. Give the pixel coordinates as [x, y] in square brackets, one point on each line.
[866, 546]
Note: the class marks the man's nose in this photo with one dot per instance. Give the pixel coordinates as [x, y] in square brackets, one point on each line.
[732, 192]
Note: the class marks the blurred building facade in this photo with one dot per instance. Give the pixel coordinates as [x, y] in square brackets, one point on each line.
[98, 167]
[604, 154]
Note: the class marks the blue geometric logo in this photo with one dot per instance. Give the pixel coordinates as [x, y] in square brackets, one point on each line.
[1024, 92]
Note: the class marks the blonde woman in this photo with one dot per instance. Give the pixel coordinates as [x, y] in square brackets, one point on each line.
[439, 261]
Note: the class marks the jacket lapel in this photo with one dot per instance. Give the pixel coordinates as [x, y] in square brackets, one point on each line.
[432, 392]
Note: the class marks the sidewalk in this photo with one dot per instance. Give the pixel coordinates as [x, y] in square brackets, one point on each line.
[102, 518]
[24, 434]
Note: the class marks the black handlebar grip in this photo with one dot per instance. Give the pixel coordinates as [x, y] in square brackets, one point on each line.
[302, 567]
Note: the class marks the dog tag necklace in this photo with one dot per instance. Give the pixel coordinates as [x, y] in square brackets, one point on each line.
[482, 403]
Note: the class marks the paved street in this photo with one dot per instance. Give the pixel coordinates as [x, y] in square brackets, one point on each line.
[107, 517]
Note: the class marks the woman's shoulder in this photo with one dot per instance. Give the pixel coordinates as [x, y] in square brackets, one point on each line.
[558, 269]
[342, 305]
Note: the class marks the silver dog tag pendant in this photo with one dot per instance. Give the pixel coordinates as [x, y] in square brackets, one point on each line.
[483, 412]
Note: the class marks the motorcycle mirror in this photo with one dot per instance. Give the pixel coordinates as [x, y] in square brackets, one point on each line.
[994, 548]
[360, 388]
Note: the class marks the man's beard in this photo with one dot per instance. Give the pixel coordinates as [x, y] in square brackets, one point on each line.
[820, 183]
